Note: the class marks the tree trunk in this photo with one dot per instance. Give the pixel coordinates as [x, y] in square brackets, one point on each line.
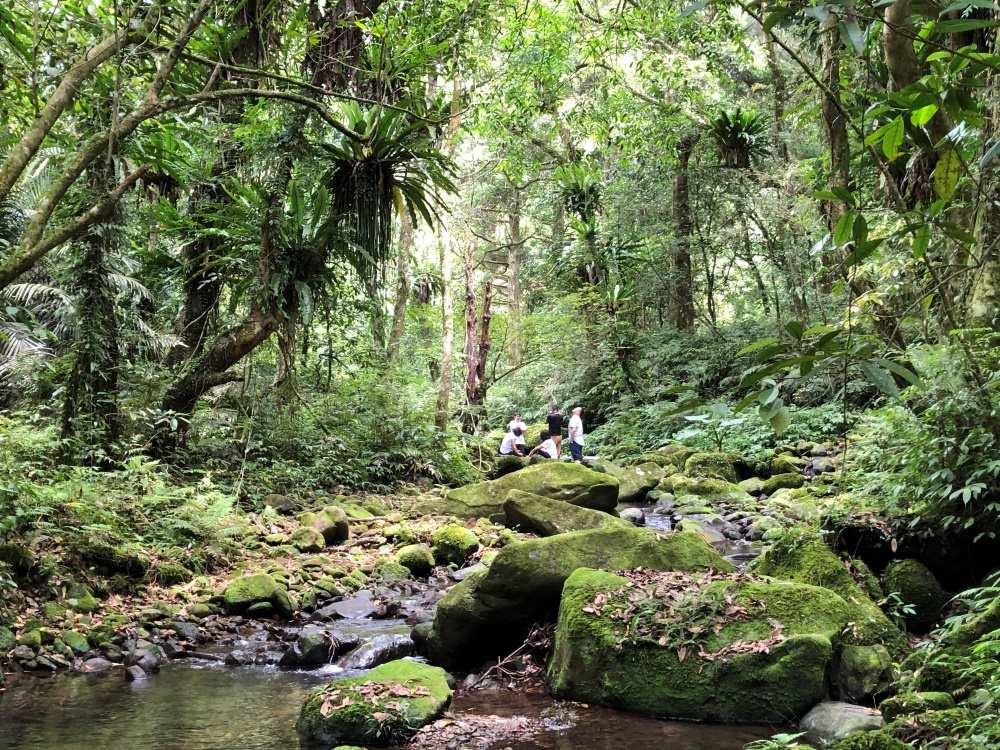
[985, 295]
[203, 277]
[682, 293]
[834, 122]
[779, 95]
[90, 410]
[447, 339]
[404, 279]
[515, 251]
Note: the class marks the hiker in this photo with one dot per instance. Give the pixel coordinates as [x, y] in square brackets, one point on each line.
[555, 420]
[518, 423]
[510, 445]
[547, 448]
[576, 434]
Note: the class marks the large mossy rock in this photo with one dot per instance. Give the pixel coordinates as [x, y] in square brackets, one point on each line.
[713, 465]
[490, 611]
[760, 653]
[242, 594]
[916, 586]
[809, 560]
[634, 482]
[709, 490]
[416, 558]
[547, 517]
[384, 707]
[569, 482]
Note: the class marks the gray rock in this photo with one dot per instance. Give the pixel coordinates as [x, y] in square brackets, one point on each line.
[147, 658]
[832, 721]
[635, 516]
[823, 465]
[463, 573]
[186, 630]
[135, 672]
[96, 665]
[23, 653]
[378, 650]
[312, 648]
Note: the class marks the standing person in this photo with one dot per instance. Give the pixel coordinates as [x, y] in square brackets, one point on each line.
[518, 424]
[576, 434]
[555, 420]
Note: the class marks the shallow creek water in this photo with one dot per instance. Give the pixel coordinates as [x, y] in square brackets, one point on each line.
[194, 706]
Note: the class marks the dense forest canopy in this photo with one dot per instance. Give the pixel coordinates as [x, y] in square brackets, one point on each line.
[264, 247]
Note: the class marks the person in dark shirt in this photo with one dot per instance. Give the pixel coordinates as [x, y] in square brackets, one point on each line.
[555, 420]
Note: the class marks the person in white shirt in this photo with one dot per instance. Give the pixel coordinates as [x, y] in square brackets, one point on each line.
[576, 434]
[518, 424]
[510, 446]
[547, 448]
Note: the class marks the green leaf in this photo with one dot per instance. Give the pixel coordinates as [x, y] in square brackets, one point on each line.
[879, 377]
[946, 173]
[780, 420]
[904, 372]
[795, 328]
[850, 31]
[756, 346]
[951, 27]
[843, 231]
[922, 116]
[921, 239]
[893, 138]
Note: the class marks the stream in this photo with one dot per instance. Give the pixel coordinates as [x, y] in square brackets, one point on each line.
[203, 706]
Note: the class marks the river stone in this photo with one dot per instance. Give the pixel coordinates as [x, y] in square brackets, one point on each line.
[307, 539]
[546, 517]
[96, 665]
[186, 630]
[454, 544]
[312, 648]
[634, 482]
[416, 558]
[786, 463]
[832, 721]
[135, 672]
[76, 641]
[592, 662]
[634, 516]
[378, 650]
[811, 561]
[490, 612]
[281, 503]
[917, 586]
[331, 522]
[381, 708]
[247, 593]
[566, 481]
[753, 485]
[782, 482]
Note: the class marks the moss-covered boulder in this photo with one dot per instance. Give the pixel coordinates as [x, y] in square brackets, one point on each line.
[242, 594]
[916, 586]
[454, 544]
[80, 599]
[507, 465]
[307, 539]
[708, 489]
[786, 463]
[910, 703]
[331, 522]
[546, 517]
[416, 558]
[860, 672]
[383, 707]
[807, 559]
[490, 611]
[678, 453]
[77, 642]
[635, 481]
[759, 652]
[569, 482]
[713, 465]
[782, 482]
